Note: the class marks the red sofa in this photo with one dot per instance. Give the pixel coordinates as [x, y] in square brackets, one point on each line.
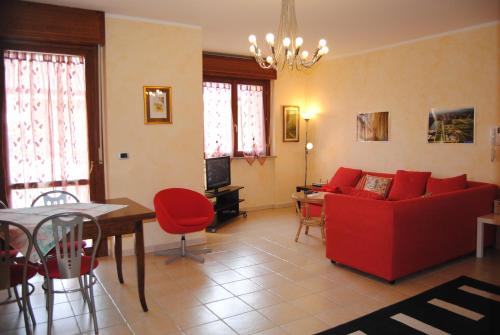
[392, 239]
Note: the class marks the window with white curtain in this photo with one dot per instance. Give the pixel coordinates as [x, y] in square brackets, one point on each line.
[236, 116]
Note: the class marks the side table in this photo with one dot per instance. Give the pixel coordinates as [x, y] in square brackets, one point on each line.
[493, 219]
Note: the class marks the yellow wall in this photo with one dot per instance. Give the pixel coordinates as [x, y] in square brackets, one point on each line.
[137, 54]
[456, 70]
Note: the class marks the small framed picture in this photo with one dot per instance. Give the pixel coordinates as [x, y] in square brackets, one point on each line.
[451, 125]
[373, 127]
[157, 104]
[291, 123]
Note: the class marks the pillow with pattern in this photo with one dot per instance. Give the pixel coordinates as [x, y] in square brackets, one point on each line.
[377, 184]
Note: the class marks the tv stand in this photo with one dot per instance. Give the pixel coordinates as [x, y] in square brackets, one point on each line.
[226, 206]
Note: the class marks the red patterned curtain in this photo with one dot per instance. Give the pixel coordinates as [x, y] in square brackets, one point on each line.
[47, 125]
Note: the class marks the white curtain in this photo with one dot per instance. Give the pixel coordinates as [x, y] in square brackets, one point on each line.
[251, 125]
[218, 119]
[47, 125]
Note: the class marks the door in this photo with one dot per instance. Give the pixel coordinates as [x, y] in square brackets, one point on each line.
[51, 135]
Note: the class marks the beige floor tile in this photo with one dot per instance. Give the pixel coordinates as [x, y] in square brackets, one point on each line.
[212, 328]
[211, 294]
[175, 301]
[309, 325]
[282, 313]
[242, 287]
[336, 316]
[316, 284]
[344, 296]
[272, 331]
[313, 304]
[154, 325]
[190, 317]
[270, 280]
[290, 291]
[225, 277]
[253, 271]
[261, 299]
[249, 323]
[229, 307]
[120, 329]
[105, 318]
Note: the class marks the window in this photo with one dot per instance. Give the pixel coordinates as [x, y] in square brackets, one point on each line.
[236, 114]
[46, 115]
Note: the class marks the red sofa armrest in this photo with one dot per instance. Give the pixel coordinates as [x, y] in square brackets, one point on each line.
[359, 227]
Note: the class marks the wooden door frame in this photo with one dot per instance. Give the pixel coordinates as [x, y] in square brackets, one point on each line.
[96, 179]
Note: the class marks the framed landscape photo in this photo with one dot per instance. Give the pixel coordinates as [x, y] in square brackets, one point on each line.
[451, 125]
[157, 104]
[373, 127]
[291, 123]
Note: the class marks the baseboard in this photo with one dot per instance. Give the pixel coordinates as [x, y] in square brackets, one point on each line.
[269, 206]
[166, 246]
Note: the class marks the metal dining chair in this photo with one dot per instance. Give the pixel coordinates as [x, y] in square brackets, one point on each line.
[56, 197]
[17, 271]
[68, 263]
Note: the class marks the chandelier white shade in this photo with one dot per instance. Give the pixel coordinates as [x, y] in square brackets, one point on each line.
[285, 49]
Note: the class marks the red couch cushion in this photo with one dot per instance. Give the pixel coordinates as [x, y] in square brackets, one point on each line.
[345, 177]
[360, 193]
[408, 184]
[436, 186]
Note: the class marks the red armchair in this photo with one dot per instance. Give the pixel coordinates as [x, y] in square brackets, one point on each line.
[181, 211]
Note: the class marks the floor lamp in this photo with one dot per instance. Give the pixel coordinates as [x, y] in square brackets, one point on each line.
[308, 147]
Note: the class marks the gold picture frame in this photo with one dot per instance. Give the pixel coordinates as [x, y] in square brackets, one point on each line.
[157, 104]
[291, 123]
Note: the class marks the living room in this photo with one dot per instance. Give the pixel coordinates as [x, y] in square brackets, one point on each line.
[429, 64]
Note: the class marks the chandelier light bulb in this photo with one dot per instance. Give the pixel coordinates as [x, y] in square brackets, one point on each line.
[252, 48]
[269, 59]
[325, 50]
[298, 42]
[252, 39]
[286, 42]
[322, 43]
[270, 39]
[304, 54]
[309, 146]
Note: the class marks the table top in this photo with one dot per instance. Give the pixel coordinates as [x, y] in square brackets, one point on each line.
[313, 198]
[493, 219]
[133, 211]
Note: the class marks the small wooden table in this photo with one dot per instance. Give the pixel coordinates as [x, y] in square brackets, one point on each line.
[127, 220]
[303, 202]
[493, 219]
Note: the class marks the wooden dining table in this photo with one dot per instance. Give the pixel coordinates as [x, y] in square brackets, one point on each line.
[127, 220]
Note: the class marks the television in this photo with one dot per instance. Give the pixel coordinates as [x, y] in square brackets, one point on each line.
[217, 172]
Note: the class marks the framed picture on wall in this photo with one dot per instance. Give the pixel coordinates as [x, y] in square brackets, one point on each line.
[451, 125]
[291, 123]
[373, 127]
[157, 104]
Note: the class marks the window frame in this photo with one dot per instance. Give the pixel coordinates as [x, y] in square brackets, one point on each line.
[234, 106]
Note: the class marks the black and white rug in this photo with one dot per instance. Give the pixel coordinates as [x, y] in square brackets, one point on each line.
[461, 306]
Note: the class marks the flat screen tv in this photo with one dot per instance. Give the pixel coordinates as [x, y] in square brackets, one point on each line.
[217, 172]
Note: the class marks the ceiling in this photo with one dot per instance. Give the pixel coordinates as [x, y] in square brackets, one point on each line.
[349, 26]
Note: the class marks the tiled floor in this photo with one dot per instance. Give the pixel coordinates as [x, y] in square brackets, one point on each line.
[256, 281]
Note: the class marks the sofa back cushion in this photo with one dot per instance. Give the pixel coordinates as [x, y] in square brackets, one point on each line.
[408, 184]
[360, 193]
[345, 177]
[437, 186]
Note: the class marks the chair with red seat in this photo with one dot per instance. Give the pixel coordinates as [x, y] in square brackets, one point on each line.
[17, 271]
[62, 230]
[181, 211]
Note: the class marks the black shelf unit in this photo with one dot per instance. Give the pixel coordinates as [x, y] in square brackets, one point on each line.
[226, 206]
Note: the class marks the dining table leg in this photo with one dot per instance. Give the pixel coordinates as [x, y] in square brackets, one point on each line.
[139, 247]
[118, 257]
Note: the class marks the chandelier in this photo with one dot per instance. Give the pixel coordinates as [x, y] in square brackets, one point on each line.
[286, 52]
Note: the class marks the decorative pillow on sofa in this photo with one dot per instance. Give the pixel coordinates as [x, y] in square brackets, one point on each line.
[379, 185]
[344, 177]
[437, 186]
[360, 193]
[408, 184]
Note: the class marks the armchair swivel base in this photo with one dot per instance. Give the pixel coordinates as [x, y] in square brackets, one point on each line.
[183, 251]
